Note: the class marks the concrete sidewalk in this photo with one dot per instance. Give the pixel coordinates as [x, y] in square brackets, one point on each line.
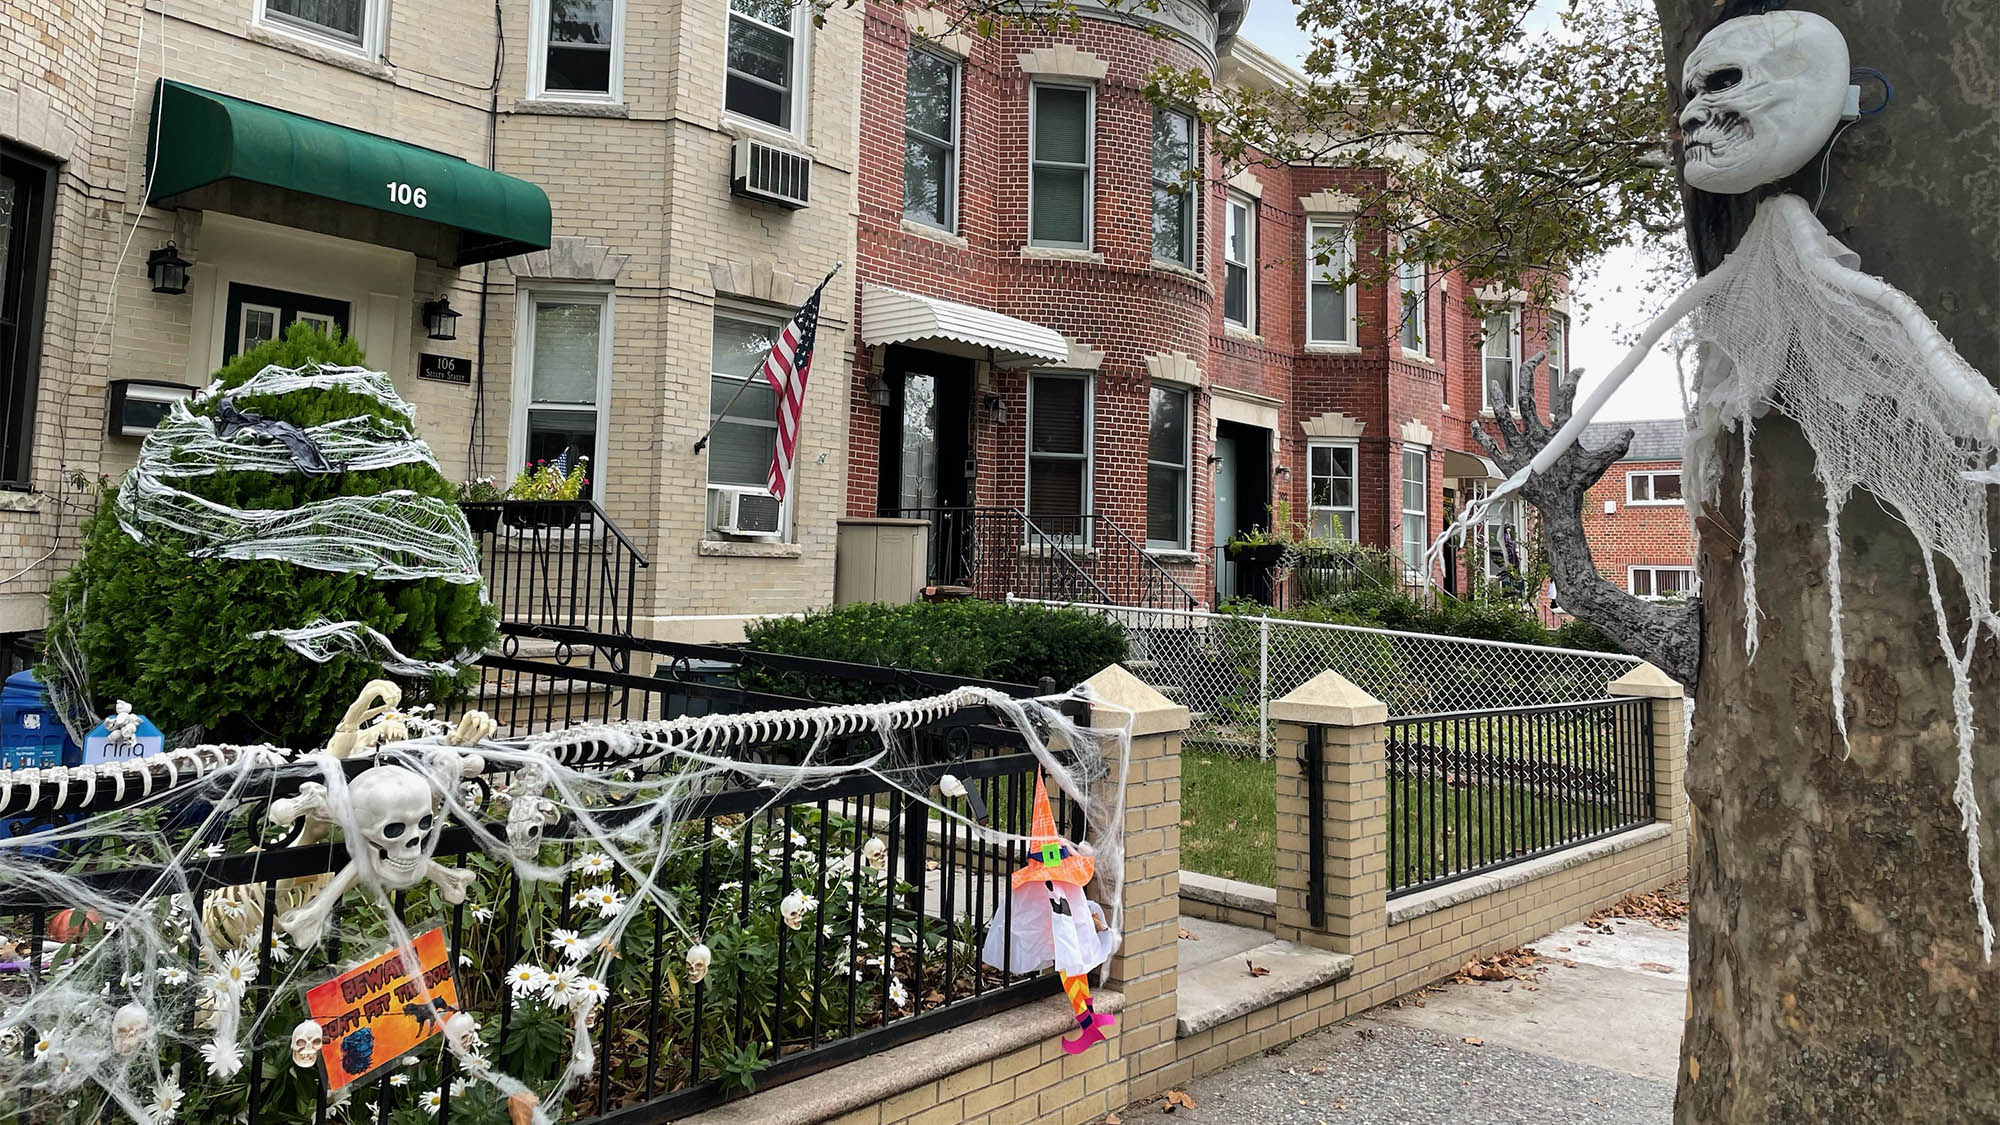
[1595, 1036]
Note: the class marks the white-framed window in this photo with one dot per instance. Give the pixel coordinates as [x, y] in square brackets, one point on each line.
[562, 376]
[1169, 448]
[1416, 308]
[1239, 264]
[930, 138]
[351, 25]
[1506, 533]
[1500, 351]
[1175, 201]
[1659, 486]
[1060, 427]
[578, 51]
[1331, 489]
[1329, 295]
[1060, 144]
[1659, 582]
[1416, 507]
[1558, 335]
[740, 401]
[765, 65]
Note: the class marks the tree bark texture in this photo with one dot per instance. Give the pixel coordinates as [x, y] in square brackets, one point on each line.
[1835, 967]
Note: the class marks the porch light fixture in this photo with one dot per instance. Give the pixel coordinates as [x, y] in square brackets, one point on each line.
[167, 270]
[440, 323]
[878, 391]
[1283, 471]
[996, 409]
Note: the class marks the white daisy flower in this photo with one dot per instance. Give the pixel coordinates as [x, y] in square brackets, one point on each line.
[461, 1087]
[400, 1078]
[281, 954]
[482, 914]
[431, 1101]
[526, 980]
[173, 974]
[224, 1059]
[567, 943]
[464, 959]
[132, 980]
[727, 887]
[607, 901]
[898, 995]
[222, 987]
[588, 992]
[240, 968]
[723, 831]
[43, 1046]
[596, 863]
[798, 840]
[561, 987]
[166, 1101]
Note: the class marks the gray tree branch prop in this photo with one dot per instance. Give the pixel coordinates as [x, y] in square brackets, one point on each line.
[1666, 633]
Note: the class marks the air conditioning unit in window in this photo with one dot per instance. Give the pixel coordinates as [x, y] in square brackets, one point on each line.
[769, 174]
[745, 511]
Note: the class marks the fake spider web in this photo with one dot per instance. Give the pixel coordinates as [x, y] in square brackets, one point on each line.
[157, 1009]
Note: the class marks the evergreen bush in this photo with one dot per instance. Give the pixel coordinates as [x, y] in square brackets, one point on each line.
[171, 633]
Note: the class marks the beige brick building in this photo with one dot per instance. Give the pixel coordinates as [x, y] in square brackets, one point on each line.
[624, 114]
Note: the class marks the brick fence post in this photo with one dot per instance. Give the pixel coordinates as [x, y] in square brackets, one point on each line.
[1146, 967]
[1353, 802]
[1669, 707]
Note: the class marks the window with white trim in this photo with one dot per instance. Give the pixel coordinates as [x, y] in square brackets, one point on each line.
[1329, 293]
[1174, 198]
[1655, 487]
[1500, 351]
[349, 24]
[1558, 336]
[1059, 165]
[930, 138]
[1330, 491]
[576, 55]
[27, 219]
[1416, 308]
[1659, 582]
[762, 67]
[1169, 433]
[1059, 453]
[562, 377]
[1416, 507]
[741, 403]
[1239, 264]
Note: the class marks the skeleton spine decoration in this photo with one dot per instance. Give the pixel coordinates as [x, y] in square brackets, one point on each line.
[1789, 325]
[1048, 921]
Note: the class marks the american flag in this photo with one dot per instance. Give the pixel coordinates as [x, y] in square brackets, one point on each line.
[786, 369]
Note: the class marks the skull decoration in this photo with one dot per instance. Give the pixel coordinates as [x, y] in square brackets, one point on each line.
[1763, 94]
[793, 908]
[528, 812]
[392, 808]
[875, 853]
[461, 1033]
[129, 1026]
[307, 1039]
[698, 958]
[950, 786]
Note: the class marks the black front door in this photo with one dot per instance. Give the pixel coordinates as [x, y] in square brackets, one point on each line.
[257, 314]
[926, 463]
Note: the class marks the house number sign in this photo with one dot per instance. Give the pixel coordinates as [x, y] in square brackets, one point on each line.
[408, 196]
[444, 368]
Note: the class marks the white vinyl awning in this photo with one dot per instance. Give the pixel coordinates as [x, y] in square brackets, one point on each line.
[891, 316]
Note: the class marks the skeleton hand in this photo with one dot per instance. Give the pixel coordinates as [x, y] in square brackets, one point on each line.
[310, 802]
[473, 727]
[364, 708]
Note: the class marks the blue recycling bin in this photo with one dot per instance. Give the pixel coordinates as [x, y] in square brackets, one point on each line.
[31, 733]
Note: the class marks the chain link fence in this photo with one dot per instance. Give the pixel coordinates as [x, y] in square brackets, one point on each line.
[1226, 668]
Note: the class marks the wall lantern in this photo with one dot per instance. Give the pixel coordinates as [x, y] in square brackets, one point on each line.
[996, 409]
[878, 391]
[440, 323]
[1283, 472]
[167, 269]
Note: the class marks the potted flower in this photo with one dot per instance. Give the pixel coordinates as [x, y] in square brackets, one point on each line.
[556, 489]
[480, 498]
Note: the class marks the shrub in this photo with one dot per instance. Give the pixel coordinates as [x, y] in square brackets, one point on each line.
[983, 640]
[149, 623]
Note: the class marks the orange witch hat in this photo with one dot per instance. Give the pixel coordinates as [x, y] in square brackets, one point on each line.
[1069, 866]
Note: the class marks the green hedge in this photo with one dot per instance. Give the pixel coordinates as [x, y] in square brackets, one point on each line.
[1491, 620]
[1019, 644]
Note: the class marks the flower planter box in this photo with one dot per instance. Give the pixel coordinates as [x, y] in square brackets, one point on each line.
[534, 514]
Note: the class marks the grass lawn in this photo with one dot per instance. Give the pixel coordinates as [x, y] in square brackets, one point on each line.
[1229, 816]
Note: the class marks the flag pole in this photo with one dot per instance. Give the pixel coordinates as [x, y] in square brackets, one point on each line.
[724, 413]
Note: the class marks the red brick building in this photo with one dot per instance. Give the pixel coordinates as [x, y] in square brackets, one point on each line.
[1079, 333]
[1635, 518]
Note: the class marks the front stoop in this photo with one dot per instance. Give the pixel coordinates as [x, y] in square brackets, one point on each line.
[1222, 990]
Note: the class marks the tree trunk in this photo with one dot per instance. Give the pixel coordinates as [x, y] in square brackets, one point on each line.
[1836, 972]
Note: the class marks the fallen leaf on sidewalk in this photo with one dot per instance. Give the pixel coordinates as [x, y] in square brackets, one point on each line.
[1177, 1099]
[1474, 1040]
[1185, 936]
[1113, 1119]
[1655, 966]
[1559, 948]
[1583, 941]
[1256, 970]
[1317, 1070]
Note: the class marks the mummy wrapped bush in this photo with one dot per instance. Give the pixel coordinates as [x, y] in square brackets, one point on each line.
[285, 538]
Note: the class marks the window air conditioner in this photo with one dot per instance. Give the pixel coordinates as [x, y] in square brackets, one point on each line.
[742, 511]
[770, 174]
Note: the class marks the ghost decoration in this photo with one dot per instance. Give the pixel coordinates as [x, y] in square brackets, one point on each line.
[698, 957]
[1763, 95]
[1789, 324]
[307, 1039]
[129, 1027]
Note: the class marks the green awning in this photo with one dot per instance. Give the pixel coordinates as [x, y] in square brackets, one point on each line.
[223, 153]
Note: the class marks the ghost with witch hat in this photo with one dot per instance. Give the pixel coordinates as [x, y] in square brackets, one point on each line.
[1048, 921]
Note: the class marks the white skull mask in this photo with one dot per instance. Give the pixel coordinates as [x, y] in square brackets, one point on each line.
[698, 958]
[1763, 94]
[307, 1039]
[392, 809]
[129, 1026]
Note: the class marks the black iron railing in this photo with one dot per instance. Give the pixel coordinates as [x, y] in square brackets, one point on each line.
[887, 951]
[1473, 791]
[557, 562]
[998, 551]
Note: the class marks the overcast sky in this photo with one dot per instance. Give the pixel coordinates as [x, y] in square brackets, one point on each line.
[1611, 286]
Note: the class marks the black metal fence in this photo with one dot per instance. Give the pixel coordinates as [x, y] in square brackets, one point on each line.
[557, 562]
[1478, 790]
[998, 551]
[888, 949]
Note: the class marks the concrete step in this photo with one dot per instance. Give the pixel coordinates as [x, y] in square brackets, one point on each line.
[1216, 991]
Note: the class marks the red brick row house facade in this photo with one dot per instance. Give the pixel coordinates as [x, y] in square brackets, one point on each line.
[1070, 311]
[1636, 517]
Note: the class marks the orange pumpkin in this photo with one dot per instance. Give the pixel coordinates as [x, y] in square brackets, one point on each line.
[68, 925]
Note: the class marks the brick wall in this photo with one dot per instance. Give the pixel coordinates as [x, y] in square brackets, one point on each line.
[1628, 534]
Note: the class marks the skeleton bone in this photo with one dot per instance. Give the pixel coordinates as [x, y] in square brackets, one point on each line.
[377, 697]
